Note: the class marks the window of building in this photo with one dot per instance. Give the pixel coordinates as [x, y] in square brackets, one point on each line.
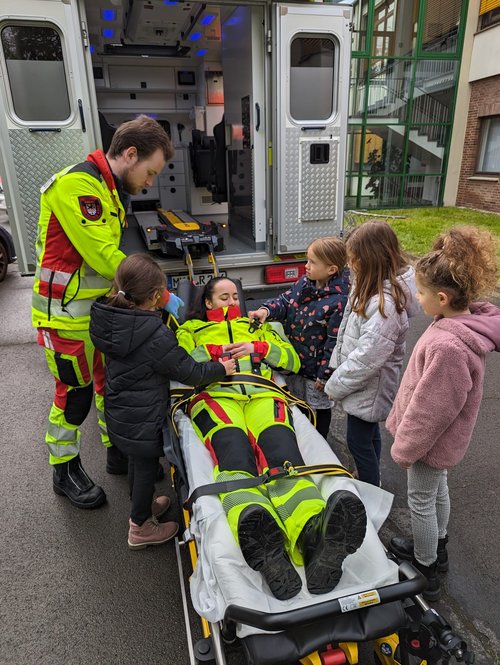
[35, 68]
[489, 146]
[312, 78]
[489, 13]
[440, 29]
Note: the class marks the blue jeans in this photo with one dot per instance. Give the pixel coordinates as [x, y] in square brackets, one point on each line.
[365, 443]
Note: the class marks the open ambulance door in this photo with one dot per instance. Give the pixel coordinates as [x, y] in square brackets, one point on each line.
[46, 122]
[311, 55]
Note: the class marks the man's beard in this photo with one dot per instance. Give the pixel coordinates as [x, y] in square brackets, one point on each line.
[128, 185]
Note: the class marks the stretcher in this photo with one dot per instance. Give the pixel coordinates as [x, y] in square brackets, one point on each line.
[377, 599]
[179, 235]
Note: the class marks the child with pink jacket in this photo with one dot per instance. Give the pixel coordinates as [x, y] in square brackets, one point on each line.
[438, 401]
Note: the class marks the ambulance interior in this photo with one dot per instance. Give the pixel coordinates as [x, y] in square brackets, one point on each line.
[199, 70]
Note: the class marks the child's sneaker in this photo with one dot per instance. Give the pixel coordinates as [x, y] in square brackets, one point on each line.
[151, 532]
[160, 506]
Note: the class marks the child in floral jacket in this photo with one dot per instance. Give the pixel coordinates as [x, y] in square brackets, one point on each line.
[311, 312]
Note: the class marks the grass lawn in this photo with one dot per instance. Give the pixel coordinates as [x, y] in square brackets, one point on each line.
[419, 226]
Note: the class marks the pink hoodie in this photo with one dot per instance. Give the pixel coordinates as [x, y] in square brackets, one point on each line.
[438, 401]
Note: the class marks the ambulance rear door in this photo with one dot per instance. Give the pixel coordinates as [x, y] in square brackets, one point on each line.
[311, 54]
[46, 123]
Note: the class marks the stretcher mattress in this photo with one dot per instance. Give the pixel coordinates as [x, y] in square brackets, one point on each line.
[222, 577]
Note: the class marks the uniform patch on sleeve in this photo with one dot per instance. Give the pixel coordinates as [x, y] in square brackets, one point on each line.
[91, 207]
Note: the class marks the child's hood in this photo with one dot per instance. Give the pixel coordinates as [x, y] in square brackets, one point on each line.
[480, 329]
[117, 332]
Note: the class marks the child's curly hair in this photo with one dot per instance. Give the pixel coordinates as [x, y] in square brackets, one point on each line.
[462, 263]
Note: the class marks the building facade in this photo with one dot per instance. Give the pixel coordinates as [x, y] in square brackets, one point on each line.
[404, 81]
[478, 183]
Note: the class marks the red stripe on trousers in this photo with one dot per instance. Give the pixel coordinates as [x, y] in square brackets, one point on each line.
[68, 347]
[260, 458]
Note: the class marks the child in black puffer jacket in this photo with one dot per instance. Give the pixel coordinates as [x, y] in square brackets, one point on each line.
[311, 312]
[141, 357]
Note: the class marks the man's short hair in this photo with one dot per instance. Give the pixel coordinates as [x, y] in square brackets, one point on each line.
[144, 134]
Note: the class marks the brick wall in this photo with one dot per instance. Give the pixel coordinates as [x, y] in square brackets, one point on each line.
[480, 194]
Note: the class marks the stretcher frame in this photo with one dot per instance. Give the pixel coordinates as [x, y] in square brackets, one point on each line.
[414, 633]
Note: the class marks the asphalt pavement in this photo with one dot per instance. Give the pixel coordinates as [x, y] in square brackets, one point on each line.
[72, 593]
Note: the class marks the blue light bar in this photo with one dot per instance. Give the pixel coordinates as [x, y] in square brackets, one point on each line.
[170, 2]
[108, 33]
[195, 36]
[108, 14]
[202, 51]
[207, 19]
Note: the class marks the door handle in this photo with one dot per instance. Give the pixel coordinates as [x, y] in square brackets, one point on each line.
[257, 113]
[82, 117]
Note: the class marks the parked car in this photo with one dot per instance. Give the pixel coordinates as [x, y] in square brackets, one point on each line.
[3, 206]
[7, 251]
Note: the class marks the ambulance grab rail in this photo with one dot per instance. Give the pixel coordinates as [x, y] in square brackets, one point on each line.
[414, 583]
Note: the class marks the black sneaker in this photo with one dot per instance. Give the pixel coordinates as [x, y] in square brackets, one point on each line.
[403, 548]
[263, 548]
[329, 537]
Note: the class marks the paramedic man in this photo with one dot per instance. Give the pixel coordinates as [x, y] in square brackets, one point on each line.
[82, 216]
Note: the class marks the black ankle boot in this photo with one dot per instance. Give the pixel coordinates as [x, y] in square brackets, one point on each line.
[116, 461]
[70, 479]
[403, 548]
[263, 548]
[329, 537]
[433, 591]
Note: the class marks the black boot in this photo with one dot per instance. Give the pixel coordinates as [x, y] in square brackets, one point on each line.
[403, 548]
[433, 591]
[70, 480]
[116, 461]
[263, 548]
[329, 537]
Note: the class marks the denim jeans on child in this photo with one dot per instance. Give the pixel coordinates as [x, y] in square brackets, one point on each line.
[364, 442]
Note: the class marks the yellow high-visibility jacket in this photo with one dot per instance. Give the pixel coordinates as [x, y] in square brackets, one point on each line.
[204, 341]
[77, 248]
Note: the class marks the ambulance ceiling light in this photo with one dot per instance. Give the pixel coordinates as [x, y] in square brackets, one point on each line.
[108, 14]
[194, 36]
[202, 51]
[170, 2]
[108, 33]
[207, 19]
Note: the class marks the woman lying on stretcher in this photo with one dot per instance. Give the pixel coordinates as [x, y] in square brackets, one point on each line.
[248, 429]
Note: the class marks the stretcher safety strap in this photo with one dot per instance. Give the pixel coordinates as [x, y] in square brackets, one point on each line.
[285, 471]
[182, 396]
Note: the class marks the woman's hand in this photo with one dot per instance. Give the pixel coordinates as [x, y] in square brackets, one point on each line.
[229, 365]
[261, 314]
[239, 349]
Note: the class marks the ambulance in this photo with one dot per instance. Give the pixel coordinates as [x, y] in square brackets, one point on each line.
[253, 94]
